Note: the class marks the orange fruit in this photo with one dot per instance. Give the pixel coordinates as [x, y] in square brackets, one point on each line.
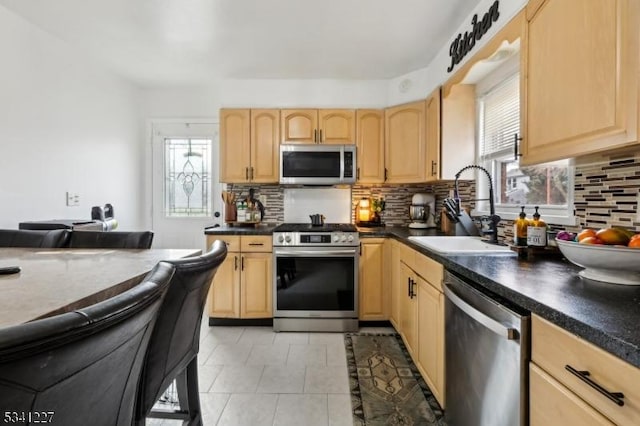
[591, 240]
[585, 233]
[635, 237]
[635, 242]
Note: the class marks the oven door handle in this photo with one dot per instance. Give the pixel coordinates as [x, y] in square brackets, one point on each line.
[304, 253]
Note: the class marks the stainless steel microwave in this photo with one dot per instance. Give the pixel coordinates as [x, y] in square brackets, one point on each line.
[317, 164]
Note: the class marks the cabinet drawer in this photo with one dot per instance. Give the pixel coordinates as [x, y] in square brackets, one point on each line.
[554, 348]
[407, 255]
[232, 241]
[430, 270]
[554, 405]
[256, 243]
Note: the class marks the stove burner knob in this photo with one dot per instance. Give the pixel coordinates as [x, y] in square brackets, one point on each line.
[336, 238]
[287, 238]
[350, 238]
[280, 238]
[343, 238]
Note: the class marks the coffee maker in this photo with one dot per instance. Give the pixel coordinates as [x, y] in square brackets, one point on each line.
[422, 211]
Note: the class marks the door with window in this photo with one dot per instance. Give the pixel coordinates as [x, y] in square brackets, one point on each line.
[186, 189]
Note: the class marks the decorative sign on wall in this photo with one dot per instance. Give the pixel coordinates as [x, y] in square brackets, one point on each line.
[464, 43]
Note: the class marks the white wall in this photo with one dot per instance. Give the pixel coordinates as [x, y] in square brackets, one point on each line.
[66, 124]
[198, 102]
[425, 80]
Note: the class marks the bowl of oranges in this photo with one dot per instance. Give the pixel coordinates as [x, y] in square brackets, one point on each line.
[610, 255]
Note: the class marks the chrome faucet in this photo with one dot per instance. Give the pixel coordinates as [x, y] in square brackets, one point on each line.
[493, 218]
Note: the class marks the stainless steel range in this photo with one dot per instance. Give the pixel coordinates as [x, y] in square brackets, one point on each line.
[315, 277]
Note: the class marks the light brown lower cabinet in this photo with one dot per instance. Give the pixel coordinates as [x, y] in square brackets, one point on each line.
[242, 285]
[552, 404]
[373, 291]
[564, 364]
[417, 285]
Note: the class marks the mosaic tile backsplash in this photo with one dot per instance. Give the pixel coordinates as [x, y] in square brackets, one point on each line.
[606, 193]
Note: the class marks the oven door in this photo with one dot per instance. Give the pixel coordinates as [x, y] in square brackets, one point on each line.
[315, 282]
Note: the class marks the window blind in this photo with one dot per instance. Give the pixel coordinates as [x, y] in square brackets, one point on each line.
[501, 109]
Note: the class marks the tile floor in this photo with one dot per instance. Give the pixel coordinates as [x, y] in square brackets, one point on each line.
[252, 376]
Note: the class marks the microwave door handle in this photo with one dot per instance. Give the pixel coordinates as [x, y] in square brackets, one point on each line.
[342, 164]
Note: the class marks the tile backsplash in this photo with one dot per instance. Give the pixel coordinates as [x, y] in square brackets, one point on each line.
[606, 193]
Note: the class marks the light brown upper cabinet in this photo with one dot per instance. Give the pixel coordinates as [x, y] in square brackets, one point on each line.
[249, 145]
[405, 148]
[432, 135]
[370, 145]
[458, 129]
[580, 86]
[330, 126]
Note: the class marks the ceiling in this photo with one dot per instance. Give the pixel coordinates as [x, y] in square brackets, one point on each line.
[189, 42]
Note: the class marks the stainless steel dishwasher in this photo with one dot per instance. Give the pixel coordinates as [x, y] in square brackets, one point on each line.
[487, 354]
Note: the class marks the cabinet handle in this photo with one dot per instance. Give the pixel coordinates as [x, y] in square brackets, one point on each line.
[385, 174]
[411, 292]
[358, 173]
[516, 139]
[256, 244]
[408, 287]
[320, 137]
[242, 263]
[315, 135]
[433, 168]
[251, 173]
[246, 173]
[616, 397]
[235, 262]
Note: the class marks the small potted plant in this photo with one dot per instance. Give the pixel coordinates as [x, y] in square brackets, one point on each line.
[377, 206]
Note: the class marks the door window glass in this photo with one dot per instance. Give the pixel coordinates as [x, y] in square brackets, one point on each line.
[187, 177]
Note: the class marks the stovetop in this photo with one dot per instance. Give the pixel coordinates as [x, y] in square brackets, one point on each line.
[307, 227]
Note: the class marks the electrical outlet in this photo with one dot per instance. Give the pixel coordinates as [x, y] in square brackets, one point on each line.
[73, 199]
[263, 200]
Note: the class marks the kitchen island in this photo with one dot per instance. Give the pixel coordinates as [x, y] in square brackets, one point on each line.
[53, 281]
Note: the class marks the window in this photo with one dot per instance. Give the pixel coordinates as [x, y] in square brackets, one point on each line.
[187, 177]
[547, 185]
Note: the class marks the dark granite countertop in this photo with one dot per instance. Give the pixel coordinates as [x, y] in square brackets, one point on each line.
[262, 229]
[606, 315]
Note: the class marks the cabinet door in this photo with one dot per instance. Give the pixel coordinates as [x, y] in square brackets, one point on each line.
[404, 143]
[255, 282]
[337, 126]
[299, 125]
[431, 337]
[432, 135]
[581, 65]
[372, 289]
[224, 295]
[265, 145]
[397, 288]
[370, 142]
[409, 311]
[458, 131]
[235, 141]
[551, 404]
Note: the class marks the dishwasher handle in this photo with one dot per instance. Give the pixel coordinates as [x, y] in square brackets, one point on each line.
[490, 323]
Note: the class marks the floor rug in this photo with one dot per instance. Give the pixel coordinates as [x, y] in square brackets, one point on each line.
[386, 387]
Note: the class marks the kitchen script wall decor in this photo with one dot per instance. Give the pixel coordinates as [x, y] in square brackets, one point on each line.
[463, 44]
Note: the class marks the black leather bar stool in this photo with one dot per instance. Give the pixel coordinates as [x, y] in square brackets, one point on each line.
[82, 367]
[111, 240]
[173, 350]
[38, 239]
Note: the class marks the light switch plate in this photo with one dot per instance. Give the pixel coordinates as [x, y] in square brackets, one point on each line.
[73, 199]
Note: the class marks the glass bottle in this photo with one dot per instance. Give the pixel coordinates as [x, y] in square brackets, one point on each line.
[537, 231]
[520, 229]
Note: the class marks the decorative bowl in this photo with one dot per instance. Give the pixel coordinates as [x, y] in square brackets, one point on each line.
[610, 264]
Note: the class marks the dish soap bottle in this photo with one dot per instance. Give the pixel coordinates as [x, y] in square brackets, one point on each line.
[537, 231]
[520, 229]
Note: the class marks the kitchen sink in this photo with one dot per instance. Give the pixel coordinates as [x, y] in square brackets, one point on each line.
[460, 245]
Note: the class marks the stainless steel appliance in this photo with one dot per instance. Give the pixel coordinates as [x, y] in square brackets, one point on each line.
[315, 277]
[422, 211]
[317, 164]
[487, 353]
